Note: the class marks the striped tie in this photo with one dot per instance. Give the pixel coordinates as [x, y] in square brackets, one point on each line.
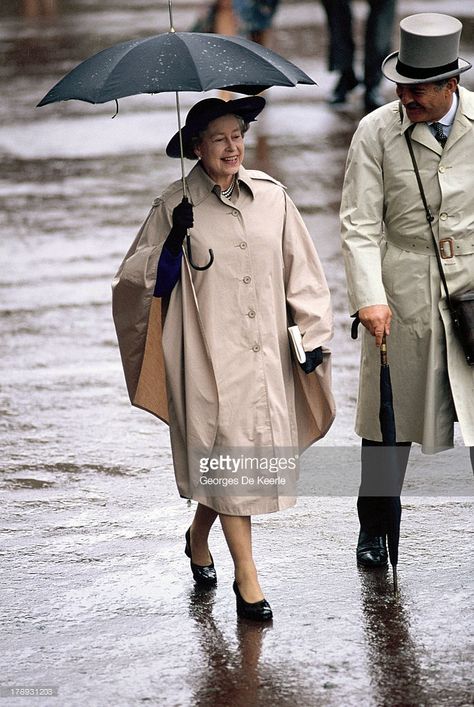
[439, 134]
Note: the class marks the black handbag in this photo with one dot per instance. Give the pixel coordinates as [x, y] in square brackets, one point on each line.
[463, 322]
[461, 307]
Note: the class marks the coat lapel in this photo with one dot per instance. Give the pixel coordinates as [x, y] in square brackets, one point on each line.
[423, 135]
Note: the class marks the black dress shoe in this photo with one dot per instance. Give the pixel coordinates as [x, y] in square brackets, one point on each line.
[347, 82]
[371, 550]
[205, 575]
[257, 611]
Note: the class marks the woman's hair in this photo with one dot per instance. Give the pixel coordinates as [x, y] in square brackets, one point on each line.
[196, 139]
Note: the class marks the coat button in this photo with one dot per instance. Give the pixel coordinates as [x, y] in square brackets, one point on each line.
[442, 169]
[235, 213]
[443, 216]
[247, 279]
[243, 245]
[256, 348]
[252, 313]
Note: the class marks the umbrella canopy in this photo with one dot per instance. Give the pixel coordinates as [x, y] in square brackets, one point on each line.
[176, 61]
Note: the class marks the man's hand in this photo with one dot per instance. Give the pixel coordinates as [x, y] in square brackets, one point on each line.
[376, 319]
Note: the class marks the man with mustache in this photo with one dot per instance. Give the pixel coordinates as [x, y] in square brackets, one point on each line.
[393, 278]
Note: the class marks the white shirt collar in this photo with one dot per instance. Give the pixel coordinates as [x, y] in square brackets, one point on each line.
[448, 119]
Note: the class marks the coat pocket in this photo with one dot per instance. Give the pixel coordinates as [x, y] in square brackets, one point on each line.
[406, 278]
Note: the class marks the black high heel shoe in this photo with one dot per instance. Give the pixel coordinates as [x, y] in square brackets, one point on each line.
[205, 575]
[257, 611]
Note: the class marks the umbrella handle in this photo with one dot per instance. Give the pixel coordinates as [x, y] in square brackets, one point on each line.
[383, 351]
[183, 179]
[190, 256]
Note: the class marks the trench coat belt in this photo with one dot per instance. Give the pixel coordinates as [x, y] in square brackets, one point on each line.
[449, 247]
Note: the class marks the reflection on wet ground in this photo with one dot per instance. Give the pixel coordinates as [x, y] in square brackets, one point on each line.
[97, 595]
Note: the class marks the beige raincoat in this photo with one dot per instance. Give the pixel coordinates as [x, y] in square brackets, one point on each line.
[389, 258]
[214, 361]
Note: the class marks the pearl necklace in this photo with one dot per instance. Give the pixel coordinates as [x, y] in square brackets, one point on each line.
[227, 193]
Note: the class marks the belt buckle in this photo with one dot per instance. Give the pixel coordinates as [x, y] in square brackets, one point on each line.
[446, 248]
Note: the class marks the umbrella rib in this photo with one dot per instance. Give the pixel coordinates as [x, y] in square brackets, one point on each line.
[248, 53]
[79, 69]
[174, 37]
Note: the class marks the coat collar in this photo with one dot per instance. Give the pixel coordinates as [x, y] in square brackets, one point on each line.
[200, 185]
[462, 124]
[463, 121]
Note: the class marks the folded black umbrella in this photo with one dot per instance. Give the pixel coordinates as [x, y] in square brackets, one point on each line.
[391, 510]
[384, 466]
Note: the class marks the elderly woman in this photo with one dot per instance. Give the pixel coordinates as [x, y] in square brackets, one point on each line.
[207, 351]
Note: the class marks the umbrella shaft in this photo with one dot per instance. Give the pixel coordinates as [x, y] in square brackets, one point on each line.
[170, 10]
[178, 111]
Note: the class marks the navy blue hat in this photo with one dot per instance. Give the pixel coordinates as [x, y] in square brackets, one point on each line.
[204, 112]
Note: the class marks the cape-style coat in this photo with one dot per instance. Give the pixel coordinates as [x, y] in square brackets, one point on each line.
[213, 360]
[390, 259]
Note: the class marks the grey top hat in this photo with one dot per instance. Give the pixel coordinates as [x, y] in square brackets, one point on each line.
[429, 50]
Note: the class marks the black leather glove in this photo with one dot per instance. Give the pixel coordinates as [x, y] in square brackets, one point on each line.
[182, 219]
[313, 359]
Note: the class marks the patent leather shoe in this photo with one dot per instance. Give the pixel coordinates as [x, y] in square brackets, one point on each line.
[256, 611]
[204, 575]
[371, 550]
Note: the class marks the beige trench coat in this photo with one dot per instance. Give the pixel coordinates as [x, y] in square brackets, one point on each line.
[389, 258]
[214, 360]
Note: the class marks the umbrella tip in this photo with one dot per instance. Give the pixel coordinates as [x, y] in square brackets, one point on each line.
[395, 580]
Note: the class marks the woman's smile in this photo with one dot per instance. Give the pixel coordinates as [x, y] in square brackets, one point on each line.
[221, 149]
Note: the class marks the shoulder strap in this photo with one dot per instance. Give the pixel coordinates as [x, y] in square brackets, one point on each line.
[429, 215]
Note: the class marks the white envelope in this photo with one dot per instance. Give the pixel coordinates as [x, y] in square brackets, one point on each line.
[296, 343]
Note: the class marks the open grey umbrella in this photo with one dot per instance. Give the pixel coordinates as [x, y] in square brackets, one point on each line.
[176, 61]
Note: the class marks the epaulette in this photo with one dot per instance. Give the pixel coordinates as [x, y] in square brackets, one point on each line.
[258, 174]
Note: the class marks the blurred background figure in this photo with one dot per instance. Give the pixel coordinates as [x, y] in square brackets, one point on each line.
[219, 17]
[38, 8]
[255, 18]
[378, 34]
[250, 18]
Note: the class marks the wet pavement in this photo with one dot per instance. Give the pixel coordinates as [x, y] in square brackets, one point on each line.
[97, 598]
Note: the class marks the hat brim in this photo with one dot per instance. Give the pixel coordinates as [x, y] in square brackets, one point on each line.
[246, 108]
[390, 72]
